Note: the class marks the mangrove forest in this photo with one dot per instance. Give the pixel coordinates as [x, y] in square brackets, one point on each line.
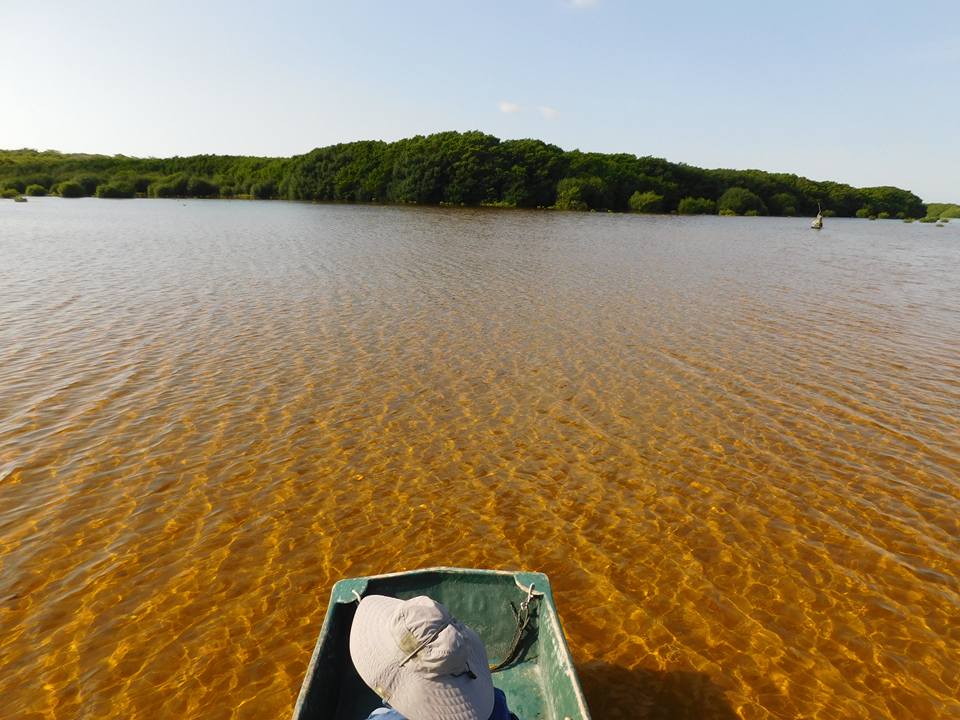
[455, 168]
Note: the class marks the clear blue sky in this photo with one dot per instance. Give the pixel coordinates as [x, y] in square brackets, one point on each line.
[862, 92]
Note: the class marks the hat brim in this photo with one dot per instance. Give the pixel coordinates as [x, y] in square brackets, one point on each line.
[417, 697]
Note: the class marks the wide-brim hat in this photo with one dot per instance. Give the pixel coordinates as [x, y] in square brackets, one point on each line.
[421, 660]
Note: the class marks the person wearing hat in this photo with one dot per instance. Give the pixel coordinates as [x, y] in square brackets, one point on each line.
[423, 662]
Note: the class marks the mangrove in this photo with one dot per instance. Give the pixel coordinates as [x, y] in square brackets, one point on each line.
[454, 168]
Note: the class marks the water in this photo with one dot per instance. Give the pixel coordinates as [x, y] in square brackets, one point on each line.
[731, 443]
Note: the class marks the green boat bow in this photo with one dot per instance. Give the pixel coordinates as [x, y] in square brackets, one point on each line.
[538, 678]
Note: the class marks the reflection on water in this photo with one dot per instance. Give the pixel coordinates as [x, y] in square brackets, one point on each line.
[731, 443]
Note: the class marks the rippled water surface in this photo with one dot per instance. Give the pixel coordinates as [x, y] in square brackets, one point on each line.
[732, 444]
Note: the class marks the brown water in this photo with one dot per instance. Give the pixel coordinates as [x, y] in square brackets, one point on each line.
[732, 444]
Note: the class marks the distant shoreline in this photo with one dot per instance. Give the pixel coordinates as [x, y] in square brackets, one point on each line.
[451, 168]
[447, 206]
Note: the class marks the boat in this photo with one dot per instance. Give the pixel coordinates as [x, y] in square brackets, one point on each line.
[817, 223]
[513, 612]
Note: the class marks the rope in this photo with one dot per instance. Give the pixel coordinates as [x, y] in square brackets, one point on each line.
[523, 619]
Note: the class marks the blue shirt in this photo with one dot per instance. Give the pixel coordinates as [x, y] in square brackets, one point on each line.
[500, 710]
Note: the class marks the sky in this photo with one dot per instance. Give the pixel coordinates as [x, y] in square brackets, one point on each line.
[866, 93]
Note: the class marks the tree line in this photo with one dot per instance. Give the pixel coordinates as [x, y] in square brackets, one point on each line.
[468, 168]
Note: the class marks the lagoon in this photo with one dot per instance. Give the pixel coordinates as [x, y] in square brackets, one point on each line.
[730, 442]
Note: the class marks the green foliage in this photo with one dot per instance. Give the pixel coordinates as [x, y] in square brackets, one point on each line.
[864, 212]
[740, 201]
[199, 187]
[928, 219]
[943, 210]
[783, 203]
[580, 193]
[71, 189]
[529, 172]
[114, 191]
[9, 193]
[470, 168]
[646, 202]
[15, 184]
[263, 191]
[132, 182]
[169, 187]
[752, 213]
[883, 215]
[892, 200]
[727, 212]
[36, 190]
[89, 183]
[696, 206]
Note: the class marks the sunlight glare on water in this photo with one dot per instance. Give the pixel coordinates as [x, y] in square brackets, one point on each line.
[730, 442]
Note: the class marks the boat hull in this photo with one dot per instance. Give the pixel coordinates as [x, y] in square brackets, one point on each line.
[540, 683]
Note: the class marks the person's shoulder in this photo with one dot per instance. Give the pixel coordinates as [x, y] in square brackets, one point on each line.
[386, 713]
[500, 709]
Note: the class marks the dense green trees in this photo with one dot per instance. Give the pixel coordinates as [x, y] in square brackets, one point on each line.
[696, 206]
[70, 189]
[783, 203]
[114, 191]
[171, 186]
[36, 190]
[893, 201]
[530, 172]
[470, 168]
[740, 201]
[943, 211]
[199, 187]
[646, 202]
[89, 183]
[581, 193]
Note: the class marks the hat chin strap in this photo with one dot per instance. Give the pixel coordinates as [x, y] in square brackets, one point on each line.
[450, 658]
[421, 646]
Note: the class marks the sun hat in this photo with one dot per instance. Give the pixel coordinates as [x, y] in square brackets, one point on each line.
[420, 659]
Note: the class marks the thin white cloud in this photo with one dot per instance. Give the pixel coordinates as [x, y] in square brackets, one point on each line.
[508, 107]
[548, 113]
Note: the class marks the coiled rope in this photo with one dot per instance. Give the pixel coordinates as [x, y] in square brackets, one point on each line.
[523, 619]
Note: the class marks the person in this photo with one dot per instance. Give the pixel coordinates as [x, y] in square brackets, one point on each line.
[423, 662]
